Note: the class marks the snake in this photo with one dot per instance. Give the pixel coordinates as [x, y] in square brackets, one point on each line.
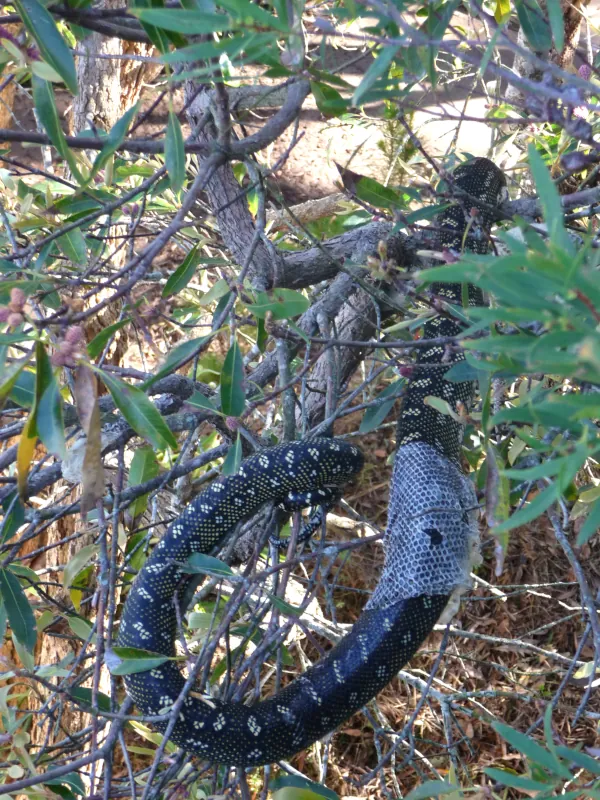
[429, 544]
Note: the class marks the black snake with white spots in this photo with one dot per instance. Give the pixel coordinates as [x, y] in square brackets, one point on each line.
[429, 539]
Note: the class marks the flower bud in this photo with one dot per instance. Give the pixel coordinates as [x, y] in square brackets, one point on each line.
[585, 72]
[14, 319]
[17, 298]
[74, 334]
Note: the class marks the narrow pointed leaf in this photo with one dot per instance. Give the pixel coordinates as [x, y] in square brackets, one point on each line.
[49, 419]
[431, 789]
[79, 561]
[507, 778]
[531, 511]
[549, 199]
[591, 524]
[85, 695]
[183, 21]
[139, 412]
[115, 138]
[534, 25]
[209, 565]
[529, 748]
[45, 105]
[378, 68]
[99, 342]
[175, 153]
[54, 49]
[557, 23]
[281, 303]
[19, 613]
[144, 466]
[233, 399]
[233, 458]
[184, 273]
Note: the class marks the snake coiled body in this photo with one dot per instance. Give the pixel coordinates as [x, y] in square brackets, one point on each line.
[429, 536]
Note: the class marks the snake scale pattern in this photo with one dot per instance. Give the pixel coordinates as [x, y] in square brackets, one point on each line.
[429, 539]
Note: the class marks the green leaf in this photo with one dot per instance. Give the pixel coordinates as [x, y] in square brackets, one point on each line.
[591, 524]
[82, 629]
[286, 608]
[18, 610]
[462, 371]
[438, 18]
[441, 406]
[15, 338]
[293, 787]
[99, 342]
[329, 101]
[72, 780]
[76, 564]
[133, 659]
[175, 153]
[233, 399]
[52, 46]
[529, 748]
[73, 246]
[49, 420]
[531, 511]
[139, 412]
[200, 401]
[23, 390]
[262, 336]
[373, 417]
[183, 21]
[379, 67]
[376, 194]
[158, 37]
[507, 778]
[178, 280]
[114, 139]
[25, 655]
[84, 695]
[216, 292]
[3, 621]
[144, 467]
[28, 574]
[203, 51]
[178, 356]
[580, 759]
[534, 25]
[14, 516]
[549, 199]
[557, 23]
[281, 303]
[233, 458]
[431, 789]
[248, 12]
[43, 98]
[10, 376]
[199, 563]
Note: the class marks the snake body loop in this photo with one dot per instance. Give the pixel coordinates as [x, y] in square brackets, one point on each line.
[429, 538]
